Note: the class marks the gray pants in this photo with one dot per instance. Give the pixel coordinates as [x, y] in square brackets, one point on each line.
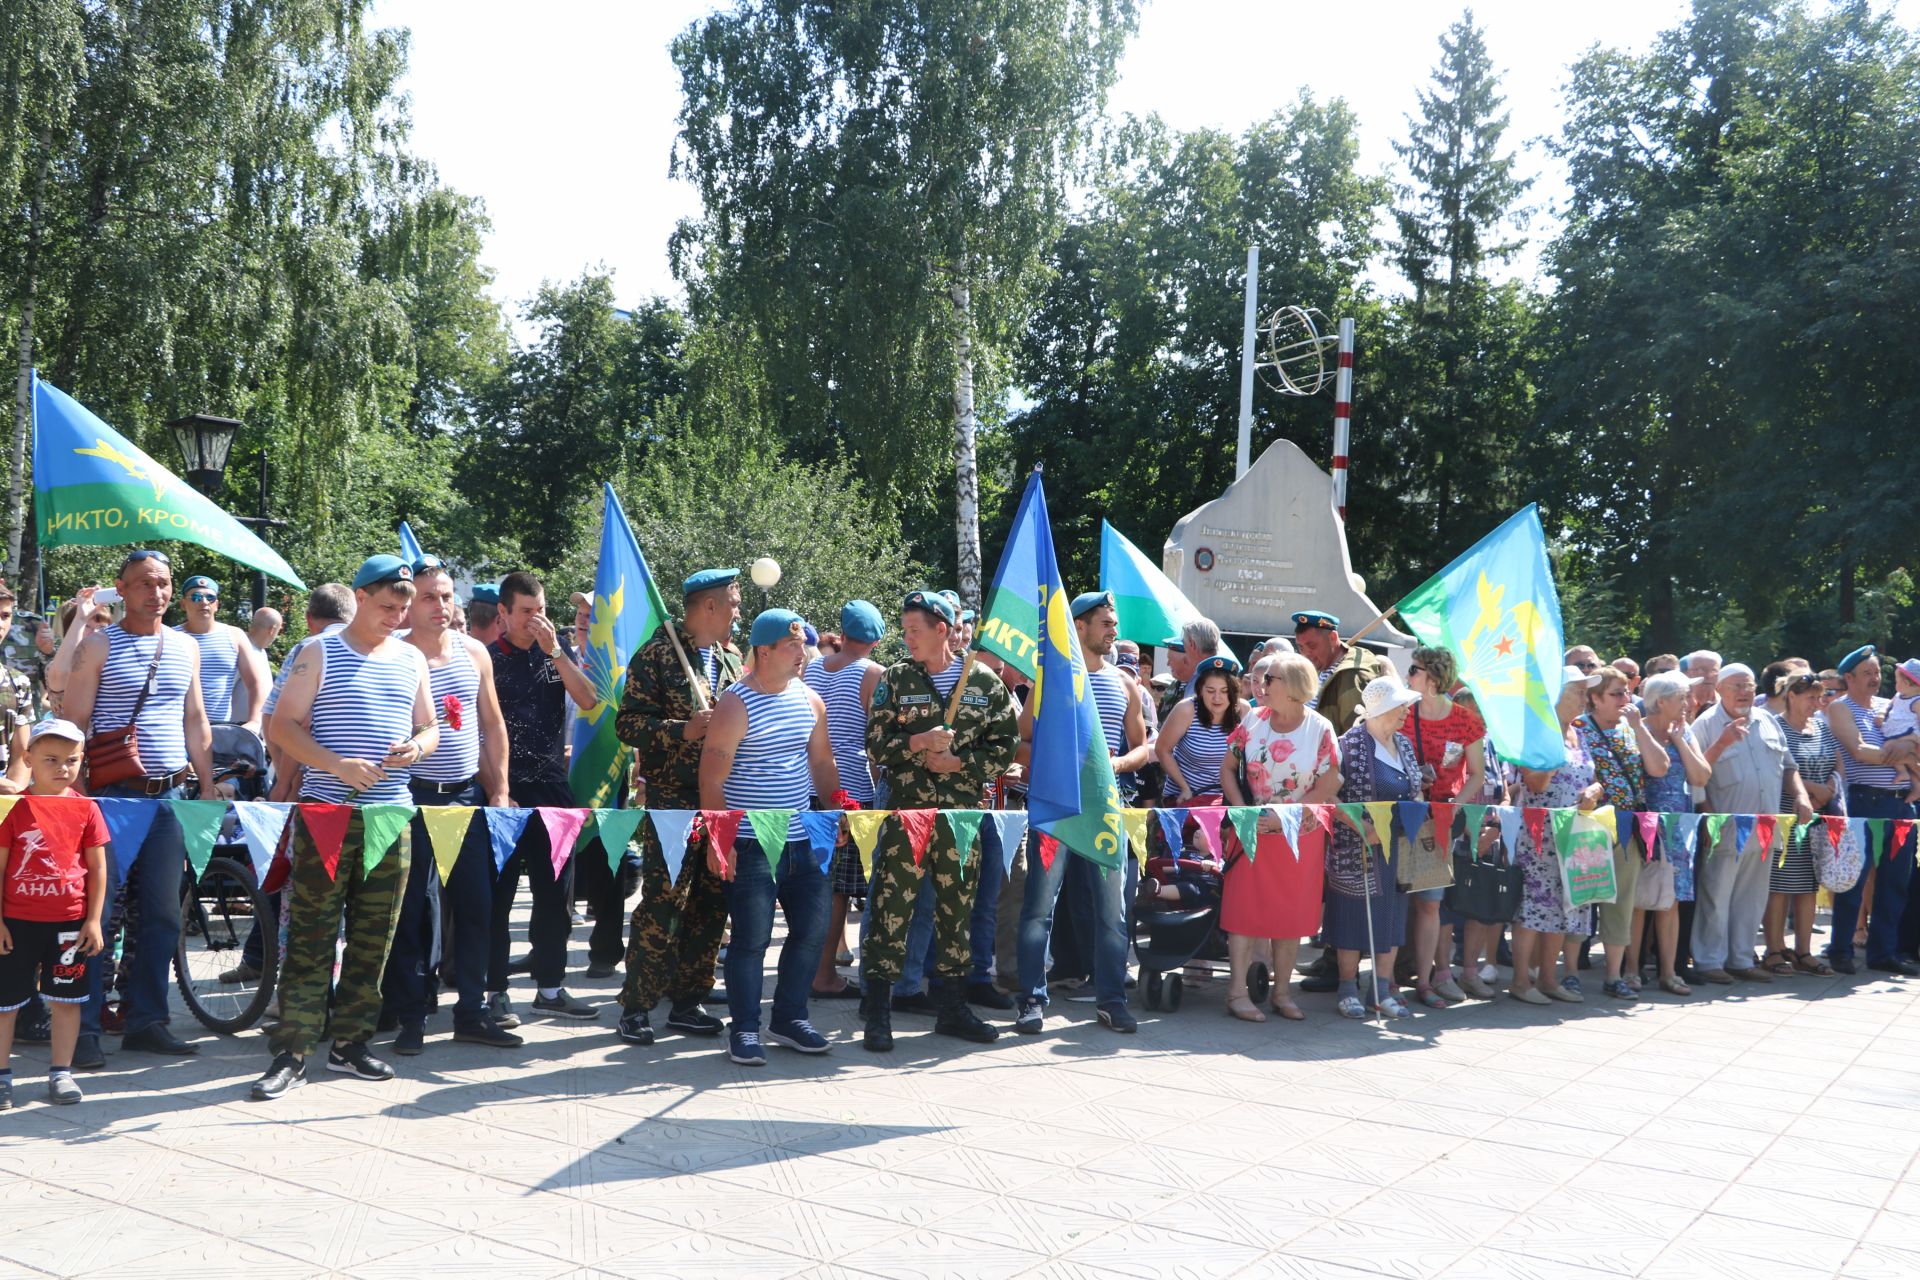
[1730, 897]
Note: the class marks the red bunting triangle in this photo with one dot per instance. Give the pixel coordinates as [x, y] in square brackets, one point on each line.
[1536, 820]
[1442, 814]
[1836, 825]
[1763, 825]
[1049, 850]
[1902, 828]
[61, 819]
[722, 826]
[918, 824]
[327, 827]
[1322, 816]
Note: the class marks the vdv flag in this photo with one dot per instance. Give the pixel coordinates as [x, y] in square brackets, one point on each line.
[1150, 609]
[93, 487]
[1495, 609]
[409, 545]
[626, 609]
[1070, 790]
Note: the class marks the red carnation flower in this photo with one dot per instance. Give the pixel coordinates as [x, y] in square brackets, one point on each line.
[450, 707]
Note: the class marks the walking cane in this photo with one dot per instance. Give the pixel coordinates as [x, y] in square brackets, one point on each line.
[1373, 953]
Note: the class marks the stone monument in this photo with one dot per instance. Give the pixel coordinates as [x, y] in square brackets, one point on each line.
[1270, 545]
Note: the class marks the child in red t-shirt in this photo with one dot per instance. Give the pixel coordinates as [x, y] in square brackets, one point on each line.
[53, 847]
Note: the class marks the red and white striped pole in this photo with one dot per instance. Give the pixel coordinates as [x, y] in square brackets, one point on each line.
[1342, 417]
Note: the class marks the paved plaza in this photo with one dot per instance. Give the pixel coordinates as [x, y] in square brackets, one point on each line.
[1752, 1131]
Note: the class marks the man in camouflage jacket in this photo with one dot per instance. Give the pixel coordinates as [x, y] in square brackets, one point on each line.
[676, 931]
[930, 766]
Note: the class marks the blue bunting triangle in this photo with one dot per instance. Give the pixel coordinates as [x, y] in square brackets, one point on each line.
[1012, 825]
[504, 828]
[1742, 832]
[128, 821]
[672, 826]
[1623, 829]
[1289, 815]
[1510, 818]
[823, 832]
[1173, 825]
[261, 825]
[1412, 815]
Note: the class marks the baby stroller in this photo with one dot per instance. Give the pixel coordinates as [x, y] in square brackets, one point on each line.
[229, 951]
[1169, 936]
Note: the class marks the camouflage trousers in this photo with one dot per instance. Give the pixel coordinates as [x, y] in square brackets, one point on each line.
[896, 884]
[675, 938]
[370, 904]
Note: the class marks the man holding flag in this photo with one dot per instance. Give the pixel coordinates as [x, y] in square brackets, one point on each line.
[937, 757]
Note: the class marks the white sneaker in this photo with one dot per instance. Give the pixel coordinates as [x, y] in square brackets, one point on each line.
[1489, 973]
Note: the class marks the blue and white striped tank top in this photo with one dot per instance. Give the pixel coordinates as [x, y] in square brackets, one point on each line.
[1110, 694]
[457, 758]
[219, 669]
[943, 681]
[710, 667]
[364, 706]
[163, 720]
[770, 764]
[846, 721]
[1860, 774]
[1199, 753]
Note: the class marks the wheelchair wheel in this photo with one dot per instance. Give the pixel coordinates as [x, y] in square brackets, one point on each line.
[1156, 985]
[1170, 993]
[1259, 982]
[216, 916]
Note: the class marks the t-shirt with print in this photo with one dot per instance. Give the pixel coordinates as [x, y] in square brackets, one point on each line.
[534, 704]
[47, 875]
[1441, 746]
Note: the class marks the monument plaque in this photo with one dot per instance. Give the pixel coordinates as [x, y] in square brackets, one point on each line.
[1269, 545]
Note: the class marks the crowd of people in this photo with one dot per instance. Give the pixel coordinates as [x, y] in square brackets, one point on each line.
[400, 693]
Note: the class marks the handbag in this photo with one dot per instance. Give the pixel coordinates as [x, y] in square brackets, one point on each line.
[1586, 862]
[1424, 863]
[113, 756]
[1486, 892]
[1654, 889]
[1838, 868]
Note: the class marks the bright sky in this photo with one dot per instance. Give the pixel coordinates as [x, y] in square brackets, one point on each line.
[565, 125]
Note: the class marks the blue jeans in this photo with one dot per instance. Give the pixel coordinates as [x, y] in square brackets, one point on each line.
[468, 896]
[154, 884]
[801, 889]
[980, 925]
[1889, 884]
[1112, 890]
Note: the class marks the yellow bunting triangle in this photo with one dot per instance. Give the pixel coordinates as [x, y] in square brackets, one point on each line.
[864, 826]
[6, 806]
[1136, 820]
[446, 831]
[1783, 824]
[1380, 814]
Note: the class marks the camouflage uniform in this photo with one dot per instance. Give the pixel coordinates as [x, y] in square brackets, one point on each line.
[1340, 695]
[16, 709]
[372, 902]
[23, 659]
[985, 737]
[675, 937]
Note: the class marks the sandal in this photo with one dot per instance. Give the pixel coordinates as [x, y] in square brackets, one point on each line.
[1242, 1008]
[1782, 967]
[1434, 1000]
[1291, 1012]
[1350, 1007]
[1675, 987]
[1806, 962]
[1394, 1007]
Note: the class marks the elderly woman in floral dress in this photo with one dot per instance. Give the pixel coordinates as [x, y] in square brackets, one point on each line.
[1544, 915]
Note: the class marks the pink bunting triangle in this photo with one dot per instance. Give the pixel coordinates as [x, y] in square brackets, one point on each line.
[563, 827]
[918, 824]
[1208, 818]
[1649, 826]
[722, 826]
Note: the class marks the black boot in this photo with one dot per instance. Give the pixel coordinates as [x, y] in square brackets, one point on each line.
[956, 1019]
[876, 1006]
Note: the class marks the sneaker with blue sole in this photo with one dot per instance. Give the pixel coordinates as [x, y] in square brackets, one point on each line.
[744, 1047]
[798, 1035]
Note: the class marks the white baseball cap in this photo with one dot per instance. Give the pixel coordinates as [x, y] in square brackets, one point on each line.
[56, 729]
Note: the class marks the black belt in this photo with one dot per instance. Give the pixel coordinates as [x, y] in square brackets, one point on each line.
[442, 788]
[1877, 791]
[162, 783]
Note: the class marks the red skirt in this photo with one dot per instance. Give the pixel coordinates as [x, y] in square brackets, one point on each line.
[1274, 894]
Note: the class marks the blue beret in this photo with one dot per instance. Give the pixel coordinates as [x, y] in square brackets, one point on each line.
[1175, 643]
[382, 569]
[1310, 619]
[708, 578]
[861, 622]
[1855, 658]
[775, 625]
[952, 597]
[1087, 601]
[485, 593]
[934, 602]
[200, 582]
[966, 615]
[1218, 662]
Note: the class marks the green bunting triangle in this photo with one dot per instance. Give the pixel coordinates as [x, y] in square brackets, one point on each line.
[1716, 822]
[1562, 828]
[1246, 825]
[200, 824]
[1356, 816]
[770, 832]
[380, 826]
[1476, 819]
[616, 828]
[1877, 837]
[965, 826]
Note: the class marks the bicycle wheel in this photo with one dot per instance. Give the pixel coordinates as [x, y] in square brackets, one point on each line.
[216, 916]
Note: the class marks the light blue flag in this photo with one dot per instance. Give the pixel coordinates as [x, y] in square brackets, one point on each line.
[1149, 608]
[128, 820]
[1412, 815]
[409, 545]
[1012, 825]
[262, 823]
[1510, 819]
[1289, 815]
[672, 827]
[627, 609]
[1496, 610]
[504, 829]
[1863, 835]
[1682, 829]
[823, 832]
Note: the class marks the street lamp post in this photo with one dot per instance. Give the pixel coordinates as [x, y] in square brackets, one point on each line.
[765, 573]
[206, 443]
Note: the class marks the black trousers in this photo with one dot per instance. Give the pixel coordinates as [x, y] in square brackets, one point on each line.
[551, 925]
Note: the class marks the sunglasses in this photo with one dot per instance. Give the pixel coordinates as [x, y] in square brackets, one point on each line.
[203, 597]
[135, 557]
[1587, 666]
[1416, 670]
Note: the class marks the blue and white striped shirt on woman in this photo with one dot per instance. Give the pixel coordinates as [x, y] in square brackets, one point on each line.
[163, 720]
[846, 721]
[364, 706]
[770, 764]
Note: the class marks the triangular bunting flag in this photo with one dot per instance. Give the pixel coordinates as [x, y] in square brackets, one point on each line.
[616, 828]
[1901, 828]
[1536, 820]
[7, 803]
[1412, 815]
[1680, 829]
[965, 826]
[1836, 825]
[200, 825]
[1716, 823]
[1136, 824]
[1443, 812]
[1049, 850]
[823, 833]
[723, 827]
[128, 821]
[1783, 825]
[1173, 825]
[1763, 828]
[672, 826]
[563, 827]
[1877, 836]
[1013, 829]
[1355, 815]
[1246, 825]
[864, 825]
[1648, 825]
[918, 824]
[262, 825]
[504, 829]
[1290, 816]
[1623, 828]
[1380, 814]
[326, 826]
[446, 826]
[1742, 832]
[380, 826]
[770, 833]
[1208, 818]
[1476, 815]
[1510, 819]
